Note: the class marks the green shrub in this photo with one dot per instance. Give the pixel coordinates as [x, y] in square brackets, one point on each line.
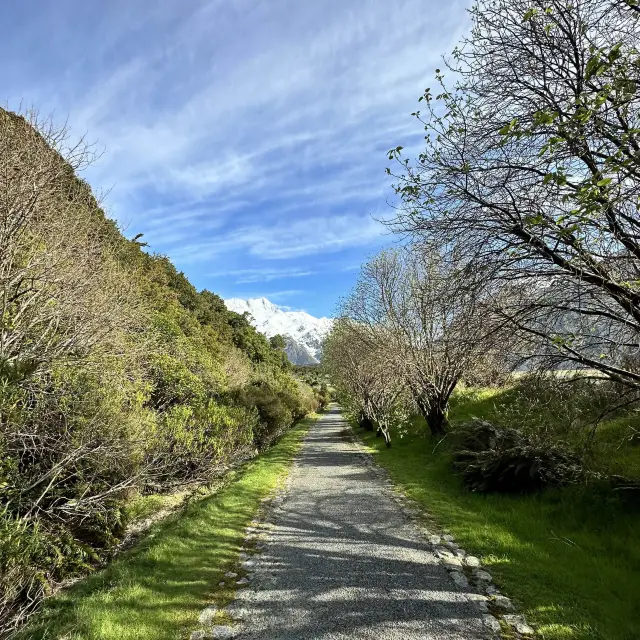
[493, 459]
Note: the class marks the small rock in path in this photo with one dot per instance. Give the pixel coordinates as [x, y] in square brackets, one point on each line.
[207, 615]
[460, 579]
[230, 574]
[491, 623]
[221, 632]
[472, 561]
[483, 576]
[503, 603]
[519, 624]
[242, 581]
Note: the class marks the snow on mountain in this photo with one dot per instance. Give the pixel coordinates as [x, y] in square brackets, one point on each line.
[302, 331]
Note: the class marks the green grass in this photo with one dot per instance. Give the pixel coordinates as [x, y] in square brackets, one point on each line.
[569, 557]
[158, 589]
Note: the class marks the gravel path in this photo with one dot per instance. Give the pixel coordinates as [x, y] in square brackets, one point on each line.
[343, 561]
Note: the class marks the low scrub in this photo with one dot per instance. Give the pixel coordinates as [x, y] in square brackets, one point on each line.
[118, 379]
[495, 459]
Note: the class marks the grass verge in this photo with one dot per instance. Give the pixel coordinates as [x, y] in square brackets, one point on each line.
[570, 558]
[158, 589]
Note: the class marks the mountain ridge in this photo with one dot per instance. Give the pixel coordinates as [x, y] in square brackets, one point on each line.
[303, 333]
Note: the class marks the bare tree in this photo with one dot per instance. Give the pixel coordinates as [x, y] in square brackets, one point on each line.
[425, 314]
[360, 370]
[532, 165]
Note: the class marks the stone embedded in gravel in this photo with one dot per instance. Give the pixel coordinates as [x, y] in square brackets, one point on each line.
[503, 603]
[207, 615]
[482, 605]
[435, 539]
[441, 552]
[491, 590]
[472, 561]
[237, 612]
[243, 581]
[230, 574]
[491, 623]
[483, 576]
[460, 579]
[519, 624]
[221, 632]
[453, 564]
[249, 563]
[244, 556]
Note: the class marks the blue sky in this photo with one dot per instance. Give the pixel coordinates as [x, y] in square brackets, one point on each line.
[246, 139]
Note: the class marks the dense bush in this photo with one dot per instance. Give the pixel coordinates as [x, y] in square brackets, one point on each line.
[117, 377]
[494, 459]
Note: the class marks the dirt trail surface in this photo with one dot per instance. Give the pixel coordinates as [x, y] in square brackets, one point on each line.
[343, 561]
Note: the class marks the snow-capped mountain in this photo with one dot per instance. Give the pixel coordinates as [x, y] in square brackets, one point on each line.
[303, 332]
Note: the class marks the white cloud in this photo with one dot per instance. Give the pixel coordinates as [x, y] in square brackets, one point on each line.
[239, 126]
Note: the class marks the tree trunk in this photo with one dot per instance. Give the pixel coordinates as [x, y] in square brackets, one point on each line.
[435, 414]
[384, 433]
[365, 422]
[437, 420]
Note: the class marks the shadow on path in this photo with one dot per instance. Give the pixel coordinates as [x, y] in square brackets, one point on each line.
[343, 561]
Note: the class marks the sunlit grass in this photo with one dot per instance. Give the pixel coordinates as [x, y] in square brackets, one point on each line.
[157, 590]
[570, 558]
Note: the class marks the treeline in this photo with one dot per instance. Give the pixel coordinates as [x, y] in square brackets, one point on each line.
[522, 214]
[117, 378]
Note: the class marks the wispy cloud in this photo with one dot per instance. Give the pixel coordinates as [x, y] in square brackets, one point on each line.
[266, 274]
[236, 132]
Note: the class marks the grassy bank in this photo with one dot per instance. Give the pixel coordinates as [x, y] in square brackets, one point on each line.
[569, 557]
[157, 590]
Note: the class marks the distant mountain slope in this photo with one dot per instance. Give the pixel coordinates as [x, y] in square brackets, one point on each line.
[303, 332]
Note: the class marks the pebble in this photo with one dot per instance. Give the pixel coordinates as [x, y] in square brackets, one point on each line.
[503, 603]
[207, 615]
[460, 579]
[453, 564]
[242, 581]
[448, 538]
[491, 623]
[221, 584]
[519, 624]
[483, 576]
[221, 632]
[435, 539]
[472, 561]
[236, 612]
[249, 563]
[230, 574]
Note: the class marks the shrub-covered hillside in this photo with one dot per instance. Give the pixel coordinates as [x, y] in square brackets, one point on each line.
[117, 377]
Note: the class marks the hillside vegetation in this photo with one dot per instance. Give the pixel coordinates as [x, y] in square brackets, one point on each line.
[117, 378]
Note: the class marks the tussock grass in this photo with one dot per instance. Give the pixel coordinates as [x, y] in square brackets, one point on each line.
[157, 590]
[569, 557]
